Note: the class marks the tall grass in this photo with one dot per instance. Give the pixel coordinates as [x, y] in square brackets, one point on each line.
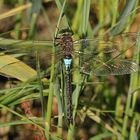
[103, 107]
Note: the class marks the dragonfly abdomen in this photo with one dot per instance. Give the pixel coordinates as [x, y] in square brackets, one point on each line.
[69, 96]
[67, 62]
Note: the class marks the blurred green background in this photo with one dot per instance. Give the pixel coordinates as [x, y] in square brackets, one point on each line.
[105, 108]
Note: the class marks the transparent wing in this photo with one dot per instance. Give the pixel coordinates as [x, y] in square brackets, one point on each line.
[116, 67]
[108, 44]
[113, 67]
[20, 48]
[103, 55]
[109, 56]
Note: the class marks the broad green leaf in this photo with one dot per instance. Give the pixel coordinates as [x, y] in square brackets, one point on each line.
[15, 68]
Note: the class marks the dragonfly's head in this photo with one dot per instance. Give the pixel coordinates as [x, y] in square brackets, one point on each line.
[66, 31]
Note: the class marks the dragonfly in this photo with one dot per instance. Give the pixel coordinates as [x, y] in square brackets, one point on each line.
[100, 56]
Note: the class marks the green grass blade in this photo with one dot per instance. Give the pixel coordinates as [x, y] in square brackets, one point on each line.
[51, 90]
[124, 16]
[132, 95]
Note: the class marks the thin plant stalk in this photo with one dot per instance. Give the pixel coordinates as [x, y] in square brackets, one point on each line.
[18, 19]
[131, 99]
[50, 97]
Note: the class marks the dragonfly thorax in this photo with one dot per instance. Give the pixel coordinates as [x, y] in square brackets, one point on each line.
[66, 43]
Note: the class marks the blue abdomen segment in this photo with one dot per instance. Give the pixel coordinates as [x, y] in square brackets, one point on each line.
[67, 62]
